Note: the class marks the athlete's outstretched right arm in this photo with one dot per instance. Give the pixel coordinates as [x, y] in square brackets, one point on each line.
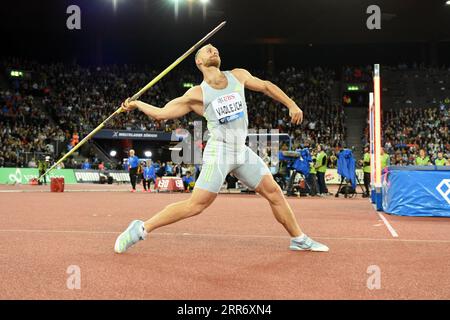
[175, 108]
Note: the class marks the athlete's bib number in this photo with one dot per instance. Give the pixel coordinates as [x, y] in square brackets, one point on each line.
[228, 107]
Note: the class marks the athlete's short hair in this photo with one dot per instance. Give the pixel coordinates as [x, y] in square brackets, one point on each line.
[195, 59]
[198, 52]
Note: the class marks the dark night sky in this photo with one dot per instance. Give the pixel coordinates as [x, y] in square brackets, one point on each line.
[145, 31]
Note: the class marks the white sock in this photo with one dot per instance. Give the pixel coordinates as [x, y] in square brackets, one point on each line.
[144, 232]
[300, 238]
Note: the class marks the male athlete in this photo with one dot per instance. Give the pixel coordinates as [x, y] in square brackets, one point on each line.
[220, 99]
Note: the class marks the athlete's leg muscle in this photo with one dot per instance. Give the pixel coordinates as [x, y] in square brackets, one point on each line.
[269, 189]
[199, 201]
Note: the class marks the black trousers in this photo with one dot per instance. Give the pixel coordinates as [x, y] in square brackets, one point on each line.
[187, 186]
[133, 177]
[321, 182]
[367, 182]
[41, 172]
[145, 183]
[312, 182]
[290, 186]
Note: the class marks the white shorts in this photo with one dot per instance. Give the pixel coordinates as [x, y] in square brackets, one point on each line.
[219, 159]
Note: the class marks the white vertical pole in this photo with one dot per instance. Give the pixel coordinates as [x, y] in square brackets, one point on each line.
[377, 135]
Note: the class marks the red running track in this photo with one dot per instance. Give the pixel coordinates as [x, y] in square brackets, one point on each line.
[234, 250]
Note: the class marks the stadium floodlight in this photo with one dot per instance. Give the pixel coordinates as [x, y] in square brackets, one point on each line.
[204, 3]
[448, 3]
[175, 9]
[113, 153]
[148, 154]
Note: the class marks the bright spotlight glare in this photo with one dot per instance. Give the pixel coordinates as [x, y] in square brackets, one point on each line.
[448, 3]
[204, 1]
[113, 153]
[148, 154]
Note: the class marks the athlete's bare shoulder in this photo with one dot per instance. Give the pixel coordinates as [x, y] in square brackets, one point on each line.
[241, 74]
[195, 94]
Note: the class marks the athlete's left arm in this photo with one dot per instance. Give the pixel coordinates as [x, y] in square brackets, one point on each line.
[268, 88]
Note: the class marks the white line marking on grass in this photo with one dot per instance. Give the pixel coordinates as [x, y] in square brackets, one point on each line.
[388, 226]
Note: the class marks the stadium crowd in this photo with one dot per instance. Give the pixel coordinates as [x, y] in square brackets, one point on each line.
[408, 130]
[419, 128]
[64, 102]
[24, 128]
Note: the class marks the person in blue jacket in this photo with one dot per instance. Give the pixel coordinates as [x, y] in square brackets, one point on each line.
[133, 164]
[86, 165]
[149, 175]
[169, 170]
[188, 181]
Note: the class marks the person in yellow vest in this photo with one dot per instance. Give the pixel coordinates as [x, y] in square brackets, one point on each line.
[42, 167]
[440, 160]
[312, 178]
[422, 159]
[385, 159]
[321, 167]
[366, 170]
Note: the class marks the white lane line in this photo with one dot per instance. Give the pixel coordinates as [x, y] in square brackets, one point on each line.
[388, 226]
[184, 234]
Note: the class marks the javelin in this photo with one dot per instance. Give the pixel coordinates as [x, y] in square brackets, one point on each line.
[137, 95]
